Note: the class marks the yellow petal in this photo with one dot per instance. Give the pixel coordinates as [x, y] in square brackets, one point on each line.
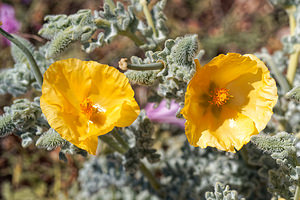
[230, 67]
[255, 95]
[117, 97]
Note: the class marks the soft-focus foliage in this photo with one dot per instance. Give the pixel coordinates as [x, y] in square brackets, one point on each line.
[149, 160]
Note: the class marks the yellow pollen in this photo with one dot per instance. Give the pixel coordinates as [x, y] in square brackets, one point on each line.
[219, 96]
[89, 108]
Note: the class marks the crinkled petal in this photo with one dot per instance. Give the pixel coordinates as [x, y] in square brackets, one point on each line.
[228, 127]
[68, 83]
[111, 90]
[230, 67]
[255, 95]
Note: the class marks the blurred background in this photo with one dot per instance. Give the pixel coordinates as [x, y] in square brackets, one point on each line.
[222, 26]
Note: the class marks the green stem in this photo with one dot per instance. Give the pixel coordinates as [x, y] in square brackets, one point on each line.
[34, 67]
[154, 183]
[278, 75]
[297, 193]
[117, 136]
[294, 57]
[108, 140]
[104, 23]
[148, 16]
[143, 67]
[292, 68]
[132, 36]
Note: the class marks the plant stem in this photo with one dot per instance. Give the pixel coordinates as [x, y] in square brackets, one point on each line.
[293, 61]
[148, 16]
[108, 140]
[117, 136]
[34, 67]
[297, 193]
[283, 82]
[143, 67]
[132, 36]
[154, 183]
[292, 68]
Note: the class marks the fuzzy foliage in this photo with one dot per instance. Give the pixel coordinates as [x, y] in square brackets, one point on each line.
[24, 119]
[281, 147]
[62, 30]
[178, 56]
[105, 178]
[141, 142]
[197, 170]
[294, 94]
[222, 193]
[285, 3]
[19, 79]
[15, 81]
[6, 125]
[50, 140]
[146, 78]
[291, 43]
[115, 20]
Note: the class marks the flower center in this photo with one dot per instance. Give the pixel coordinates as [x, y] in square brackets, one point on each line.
[219, 96]
[94, 112]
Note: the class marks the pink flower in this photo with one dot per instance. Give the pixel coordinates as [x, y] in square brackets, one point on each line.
[9, 22]
[162, 114]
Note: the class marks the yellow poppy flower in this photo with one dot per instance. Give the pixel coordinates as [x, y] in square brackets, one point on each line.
[227, 101]
[84, 99]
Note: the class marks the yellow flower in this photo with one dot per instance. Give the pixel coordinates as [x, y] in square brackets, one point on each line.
[227, 101]
[84, 99]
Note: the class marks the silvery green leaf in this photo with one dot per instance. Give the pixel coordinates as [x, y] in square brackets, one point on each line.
[50, 140]
[294, 94]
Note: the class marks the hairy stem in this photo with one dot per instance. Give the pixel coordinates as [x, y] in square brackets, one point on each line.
[294, 57]
[34, 67]
[143, 67]
[114, 145]
[148, 16]
[132, 36]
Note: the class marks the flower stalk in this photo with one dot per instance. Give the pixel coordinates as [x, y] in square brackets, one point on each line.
[294, 57]
[34, 67]
[114, 145]
[132, 36]
[148, 16]
[102, 22]
[144, 67]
